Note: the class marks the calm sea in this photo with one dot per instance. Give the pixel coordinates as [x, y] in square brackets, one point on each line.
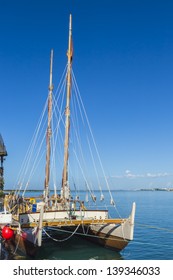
[153, 236]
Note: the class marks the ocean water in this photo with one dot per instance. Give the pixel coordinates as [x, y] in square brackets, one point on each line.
[153, 234]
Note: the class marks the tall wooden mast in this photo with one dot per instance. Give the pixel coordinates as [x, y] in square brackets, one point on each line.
[48, 136]
[65, 192]
[3, 154]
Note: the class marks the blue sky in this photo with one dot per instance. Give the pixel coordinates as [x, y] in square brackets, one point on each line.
[123, 61]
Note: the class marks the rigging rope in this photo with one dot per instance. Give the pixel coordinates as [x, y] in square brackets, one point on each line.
[28, 156]
[57, 116]
[62, 240]
[84, 234]
[154, 227]
[107, 184]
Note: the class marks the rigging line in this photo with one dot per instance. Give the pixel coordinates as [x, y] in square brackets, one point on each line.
[78, 138]
[74, 107]
[58, 120]
[55, 129]
[30, 149]
[31, 146]
[83, 228]
[151, 244]
[35, 142]
[53, 146]
[89, 235]
[62, 240]
[74, 122]
[59, 152]
[54, 165]
[60, 88]
[28, 156]
[77, 132]
[77, 97]
[59, 109]
[79, 164]
[100, 237]
[33, 164]
[32, 172]
[81, 152]
[154, 227]
[63, 78]
[61, 92]
[87, 184]
[107, 184]
[36, 157]
[94, 166]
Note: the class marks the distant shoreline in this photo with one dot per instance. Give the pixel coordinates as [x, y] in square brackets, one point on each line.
[158, 189]
[118, 190]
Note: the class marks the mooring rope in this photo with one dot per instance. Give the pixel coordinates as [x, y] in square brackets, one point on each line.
[154, 227]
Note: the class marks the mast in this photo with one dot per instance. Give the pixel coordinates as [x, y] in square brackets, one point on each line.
[65, 191]
[3, 154]
[48, 136]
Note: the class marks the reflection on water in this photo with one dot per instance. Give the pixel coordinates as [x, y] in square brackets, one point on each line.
[75, 249]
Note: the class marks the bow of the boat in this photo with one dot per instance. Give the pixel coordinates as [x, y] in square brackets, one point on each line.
[115, 236]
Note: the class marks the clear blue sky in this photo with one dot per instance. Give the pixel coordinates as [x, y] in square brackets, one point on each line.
[123, 61]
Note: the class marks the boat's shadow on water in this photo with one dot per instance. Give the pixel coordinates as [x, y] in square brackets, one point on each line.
[75, 249]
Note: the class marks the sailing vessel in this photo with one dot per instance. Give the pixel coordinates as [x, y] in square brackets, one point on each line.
[64, 211]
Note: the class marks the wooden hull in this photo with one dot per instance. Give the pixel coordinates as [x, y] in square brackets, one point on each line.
[113, 236]
[18, 245]
[28, 249]
[107, 240]
[25, 247]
